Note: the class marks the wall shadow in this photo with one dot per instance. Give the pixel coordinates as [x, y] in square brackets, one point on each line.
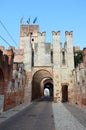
[77, 112]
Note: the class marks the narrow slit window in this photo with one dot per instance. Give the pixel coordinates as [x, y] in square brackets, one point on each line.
[63, 57]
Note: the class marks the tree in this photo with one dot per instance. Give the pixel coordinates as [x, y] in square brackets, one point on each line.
[78, 58]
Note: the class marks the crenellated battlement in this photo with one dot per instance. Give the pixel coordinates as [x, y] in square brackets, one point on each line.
[68, 33]
[55, 33]
[56, 37]
[42, 34]
[38, 54]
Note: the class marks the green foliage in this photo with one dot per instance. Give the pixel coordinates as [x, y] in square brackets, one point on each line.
[78, 58]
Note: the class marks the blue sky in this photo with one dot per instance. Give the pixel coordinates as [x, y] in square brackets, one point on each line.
[52, 15]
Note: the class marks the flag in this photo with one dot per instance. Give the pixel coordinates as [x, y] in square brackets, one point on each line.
[35, 20]
[28, 21]
[21, 20]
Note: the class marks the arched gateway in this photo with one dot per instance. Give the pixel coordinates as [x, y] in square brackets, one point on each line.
[41, 79]
[47, 65]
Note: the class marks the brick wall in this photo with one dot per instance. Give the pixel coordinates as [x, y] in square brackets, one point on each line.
[84, 56]
[6, 60]
[80, 85]
[13, 99]
[14, 94]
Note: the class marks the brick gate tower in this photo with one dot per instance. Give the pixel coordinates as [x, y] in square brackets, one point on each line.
[47, 65]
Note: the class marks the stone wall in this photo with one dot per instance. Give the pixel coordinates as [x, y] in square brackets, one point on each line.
[80, 85]
[28, 30]
[42, 51]
[12, 78]
[84, 56]
[56, 66]
[14, 93]
[79, 76]
[62, 65]
[13, 99]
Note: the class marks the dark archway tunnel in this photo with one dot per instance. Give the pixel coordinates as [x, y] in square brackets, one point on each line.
[41, 79]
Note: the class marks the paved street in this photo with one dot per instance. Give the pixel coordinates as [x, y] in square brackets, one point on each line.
[38, 116]
[45, 115]
[69, 117]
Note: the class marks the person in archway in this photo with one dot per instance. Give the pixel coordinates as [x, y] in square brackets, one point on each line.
[46, 92]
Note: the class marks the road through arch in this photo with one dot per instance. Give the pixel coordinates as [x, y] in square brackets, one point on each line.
[41, 79]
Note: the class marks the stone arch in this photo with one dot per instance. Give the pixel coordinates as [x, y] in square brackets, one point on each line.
[47, 83]
[39, 79]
